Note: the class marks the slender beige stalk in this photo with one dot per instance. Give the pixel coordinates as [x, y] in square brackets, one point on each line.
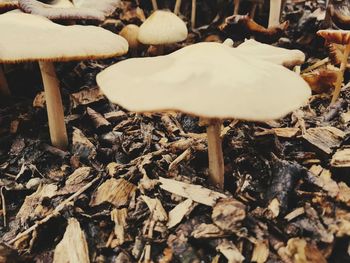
[155, 5]
[193, 14]
[253, 10]
[54, 106]
[4, 88]
[177, 7]
[216, 158]
[275, 12]
[236, 7]
[340, 78]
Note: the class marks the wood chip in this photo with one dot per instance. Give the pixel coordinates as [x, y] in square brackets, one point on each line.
[115, 116]
[207, 231]
[82, 146]
[178, 212]
[341, 159]
[117, 192]
[197, 193]
[261, 251]
[97, 119]
[86, 96]
[228, 214]
[73, 247]
[230, 251]
[155, 206]
[118, 216]
[295, 213]
[324, 138]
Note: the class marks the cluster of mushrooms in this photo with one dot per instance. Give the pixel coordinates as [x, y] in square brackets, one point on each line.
[252, 82]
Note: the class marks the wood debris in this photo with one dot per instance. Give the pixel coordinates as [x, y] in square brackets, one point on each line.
[117, 192]
[197, 193]
[73, 247]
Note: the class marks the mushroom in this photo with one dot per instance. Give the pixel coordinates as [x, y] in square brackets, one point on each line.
[7, 5]
[26, 37]
[4, 88]
[236, 4]
[130, 33]
[341, 37]
[193, 11]
[275, 12]
[161, 28]
[209, 80]
[154, 5]
[281, 56]
[61, 10]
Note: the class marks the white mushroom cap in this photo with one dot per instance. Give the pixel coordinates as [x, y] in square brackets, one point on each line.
[26, 37]
[64, 9]
[277, 55]
[161, 28]
[206, 79]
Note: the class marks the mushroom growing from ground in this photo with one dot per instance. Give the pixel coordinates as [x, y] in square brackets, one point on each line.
[161, 28]
[26, 37]
[78, 10]
[341, 37]
[130, 33]
[209, 80]
[281, 56]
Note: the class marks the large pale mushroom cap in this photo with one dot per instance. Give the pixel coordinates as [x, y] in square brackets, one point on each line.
[65, 10]
[341, 37]
[206, 79]
[26, 37]
[162, 27]
[277, 55]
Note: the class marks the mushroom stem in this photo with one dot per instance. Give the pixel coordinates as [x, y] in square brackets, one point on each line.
[340, 78]
[4, 88]
[275, 11]
[154, 4]
[177, 7]
[236, 7]
[193, 14]
[216, 158]
[253, 11]
[58, 132]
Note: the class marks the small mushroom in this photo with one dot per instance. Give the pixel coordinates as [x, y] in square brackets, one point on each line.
[26, 37]
[243, 25]
[341, 37]
[161, 28]
[281, 56]
[209, 80]
[79, 10]
[130, 33]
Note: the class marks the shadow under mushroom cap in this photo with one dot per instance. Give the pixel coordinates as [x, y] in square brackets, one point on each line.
[206, 79]
[26, 37]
